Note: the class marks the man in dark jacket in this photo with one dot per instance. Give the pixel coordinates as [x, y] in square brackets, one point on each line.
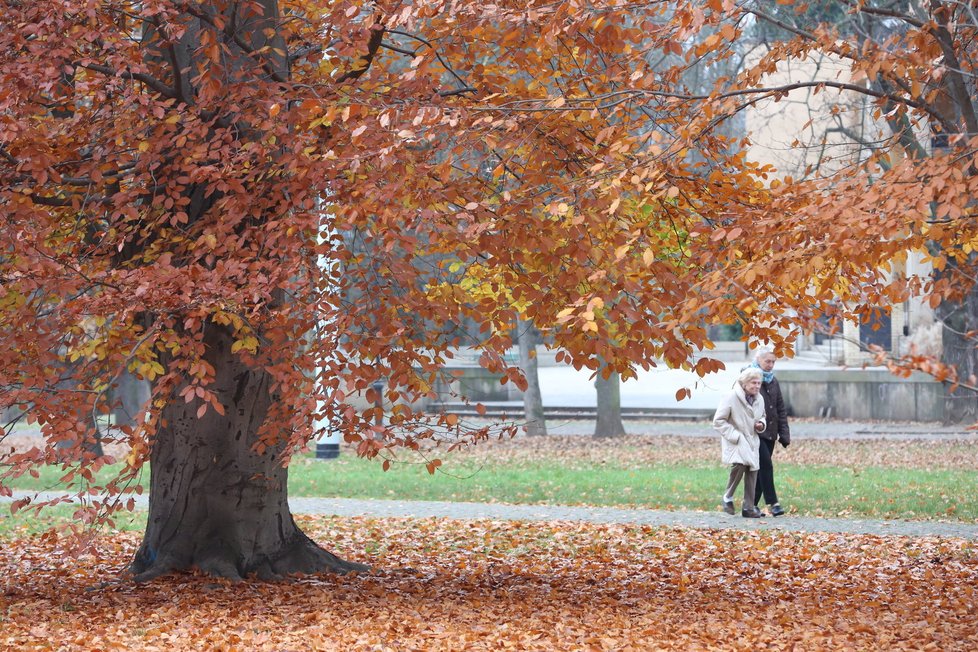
[777, 430]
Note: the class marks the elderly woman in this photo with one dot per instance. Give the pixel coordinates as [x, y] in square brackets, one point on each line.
[738, 419]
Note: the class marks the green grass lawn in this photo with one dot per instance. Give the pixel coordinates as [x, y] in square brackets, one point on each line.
[813, 490]
[49, 478]
[817, 490]
[27, 522]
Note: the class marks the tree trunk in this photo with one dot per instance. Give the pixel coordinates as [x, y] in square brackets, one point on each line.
[609, 422]
[532, 398]
[215, 503]
[132, 395]
[959, 319]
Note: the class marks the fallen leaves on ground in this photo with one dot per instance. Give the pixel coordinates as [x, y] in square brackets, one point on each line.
[480, 585]
[645, 450]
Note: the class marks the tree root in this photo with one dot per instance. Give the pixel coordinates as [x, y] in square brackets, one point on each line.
[302, 557]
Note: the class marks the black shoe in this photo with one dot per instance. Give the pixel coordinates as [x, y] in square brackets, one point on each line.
[751, 513]
[728, 506]
[777, 510]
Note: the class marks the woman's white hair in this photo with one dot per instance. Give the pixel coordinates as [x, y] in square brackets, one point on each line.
[749, 374]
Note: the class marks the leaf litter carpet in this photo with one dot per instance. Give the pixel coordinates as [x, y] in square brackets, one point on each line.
[440, 584]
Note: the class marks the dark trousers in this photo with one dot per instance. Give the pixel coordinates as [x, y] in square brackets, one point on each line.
[765, 475]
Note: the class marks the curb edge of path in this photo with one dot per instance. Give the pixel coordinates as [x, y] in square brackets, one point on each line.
[505, 512]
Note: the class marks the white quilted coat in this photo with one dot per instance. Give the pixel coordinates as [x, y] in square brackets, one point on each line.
[734, 420]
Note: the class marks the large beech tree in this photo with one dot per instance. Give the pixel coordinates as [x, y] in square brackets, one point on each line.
[262, 207]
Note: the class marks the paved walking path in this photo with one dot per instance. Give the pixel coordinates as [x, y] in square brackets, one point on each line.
[708, 520]
[497, 511]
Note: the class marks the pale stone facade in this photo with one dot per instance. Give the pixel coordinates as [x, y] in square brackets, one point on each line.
[812, 132]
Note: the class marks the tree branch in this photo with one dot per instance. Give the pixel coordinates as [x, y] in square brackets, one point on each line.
[862, 142]
[373, 45]
[304, 51]
[957, 86]
[900, 127]
[178, 81]
[400, 50]
[7, 155]
[55, 202]
[863, 8]
[578, 104]
[232, 33]
[440, 58]
[149, 80]
[458, 91]
[797, 31]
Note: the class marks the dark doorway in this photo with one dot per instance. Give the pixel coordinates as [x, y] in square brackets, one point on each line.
[877, 330]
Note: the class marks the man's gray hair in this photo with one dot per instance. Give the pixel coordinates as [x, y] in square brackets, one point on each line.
[763, 350]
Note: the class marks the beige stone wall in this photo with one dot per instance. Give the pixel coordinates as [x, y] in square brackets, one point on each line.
[811, 132]
[808, 130]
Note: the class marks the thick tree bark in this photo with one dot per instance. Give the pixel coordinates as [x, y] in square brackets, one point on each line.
[609, 422]
[215, 503]
[532, 398]
[959, 319]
